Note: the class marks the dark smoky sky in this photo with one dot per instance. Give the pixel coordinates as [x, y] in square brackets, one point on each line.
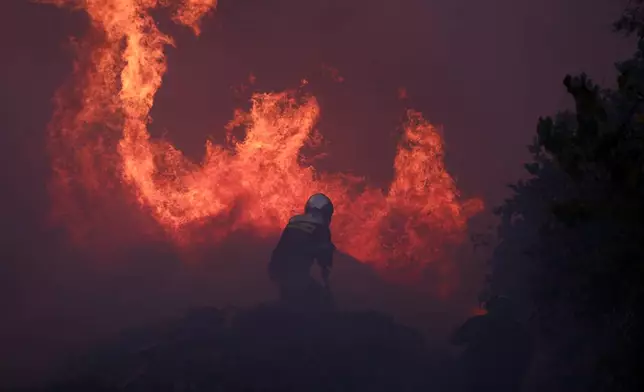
[483, 70]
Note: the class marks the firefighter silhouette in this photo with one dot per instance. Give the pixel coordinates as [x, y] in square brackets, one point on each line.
[305, 240]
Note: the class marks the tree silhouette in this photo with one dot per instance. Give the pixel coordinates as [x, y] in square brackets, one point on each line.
[571, 245]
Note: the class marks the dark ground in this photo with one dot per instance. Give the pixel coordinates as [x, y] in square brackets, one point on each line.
[266, 348]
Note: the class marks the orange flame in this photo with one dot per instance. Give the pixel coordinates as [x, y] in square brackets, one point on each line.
[101, 149]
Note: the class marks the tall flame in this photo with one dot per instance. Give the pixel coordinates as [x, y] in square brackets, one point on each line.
[101, 148]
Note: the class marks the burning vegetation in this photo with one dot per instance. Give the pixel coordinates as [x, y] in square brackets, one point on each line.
[105, 162]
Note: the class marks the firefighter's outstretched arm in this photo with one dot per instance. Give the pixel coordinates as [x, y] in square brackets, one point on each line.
[326, 272]
[325, 260]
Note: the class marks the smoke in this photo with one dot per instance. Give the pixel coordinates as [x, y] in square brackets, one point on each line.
[484, 71]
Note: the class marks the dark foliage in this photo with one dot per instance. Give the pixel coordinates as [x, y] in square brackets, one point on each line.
[572, 234]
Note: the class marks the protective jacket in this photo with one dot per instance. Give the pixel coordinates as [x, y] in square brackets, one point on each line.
[305, 239]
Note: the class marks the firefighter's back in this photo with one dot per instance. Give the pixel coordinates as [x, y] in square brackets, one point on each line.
[296, 250]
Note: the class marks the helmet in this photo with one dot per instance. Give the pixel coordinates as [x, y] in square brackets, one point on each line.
[320, 203]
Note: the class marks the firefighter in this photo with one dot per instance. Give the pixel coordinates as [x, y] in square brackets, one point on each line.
[306, 239]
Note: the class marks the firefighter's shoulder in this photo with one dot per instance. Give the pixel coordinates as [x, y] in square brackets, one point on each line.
[305, 222]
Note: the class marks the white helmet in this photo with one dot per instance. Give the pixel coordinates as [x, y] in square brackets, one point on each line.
[320, 203]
